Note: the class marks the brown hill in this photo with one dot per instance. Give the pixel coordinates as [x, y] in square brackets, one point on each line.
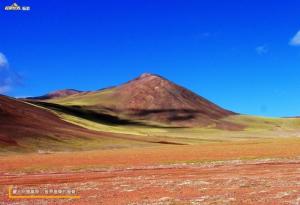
[153, 98]
[26, 127]
[56, 94]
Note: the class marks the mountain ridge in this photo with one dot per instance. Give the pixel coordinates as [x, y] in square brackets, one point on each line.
[56, 94]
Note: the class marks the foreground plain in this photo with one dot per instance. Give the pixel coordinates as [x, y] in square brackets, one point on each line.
[248, 172]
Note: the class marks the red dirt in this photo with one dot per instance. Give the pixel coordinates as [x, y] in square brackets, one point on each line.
[146, 156]
[159, 175]
[227, 183]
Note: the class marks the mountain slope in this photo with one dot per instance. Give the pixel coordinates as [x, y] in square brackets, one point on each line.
[152, 98]
[26, 127]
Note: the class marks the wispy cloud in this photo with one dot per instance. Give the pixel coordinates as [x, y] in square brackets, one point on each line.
[8, 77]
[295, 41]
[3, 61]
[261, 50]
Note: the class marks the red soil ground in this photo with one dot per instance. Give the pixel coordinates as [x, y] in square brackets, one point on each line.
[160, 175]
[165, 154]
[228, 183]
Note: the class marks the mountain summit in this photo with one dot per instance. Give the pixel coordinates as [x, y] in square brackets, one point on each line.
[151, 97]
[153, 92]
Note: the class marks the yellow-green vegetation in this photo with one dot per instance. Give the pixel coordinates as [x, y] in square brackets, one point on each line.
[265, 123]
[92, 98]
[255, 127]
[261, 128]
[45, 144]
[88, 109]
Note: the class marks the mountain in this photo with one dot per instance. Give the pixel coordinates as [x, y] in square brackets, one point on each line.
[27, 127]
[152, 98]
[56, 94]
[21, 124]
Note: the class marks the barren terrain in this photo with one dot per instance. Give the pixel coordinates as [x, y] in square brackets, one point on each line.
[233, 182]
[227, 173]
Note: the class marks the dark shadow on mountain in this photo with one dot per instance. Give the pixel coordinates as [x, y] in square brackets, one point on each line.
[176, 114]
[181, 118]
[98, 117]
[155, 111]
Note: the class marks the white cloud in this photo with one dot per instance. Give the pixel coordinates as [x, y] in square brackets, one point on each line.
[260, 50]
[8, 77]
[3, 61]
[295, 41]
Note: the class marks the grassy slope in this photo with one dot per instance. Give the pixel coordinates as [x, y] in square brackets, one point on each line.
[110, 100]
[25, 127]
[262, 138]
[48, 142]
[257, 128]
[86, 99]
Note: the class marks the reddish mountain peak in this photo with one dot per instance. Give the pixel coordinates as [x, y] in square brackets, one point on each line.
[148, 75]
[149, 80]
[156, 95]
[145, 77]
[155, 98]
[56, 94]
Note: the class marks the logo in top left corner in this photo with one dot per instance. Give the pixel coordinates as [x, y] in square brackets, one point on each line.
[16, 7]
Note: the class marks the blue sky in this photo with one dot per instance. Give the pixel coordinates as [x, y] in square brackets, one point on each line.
[242, 55]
